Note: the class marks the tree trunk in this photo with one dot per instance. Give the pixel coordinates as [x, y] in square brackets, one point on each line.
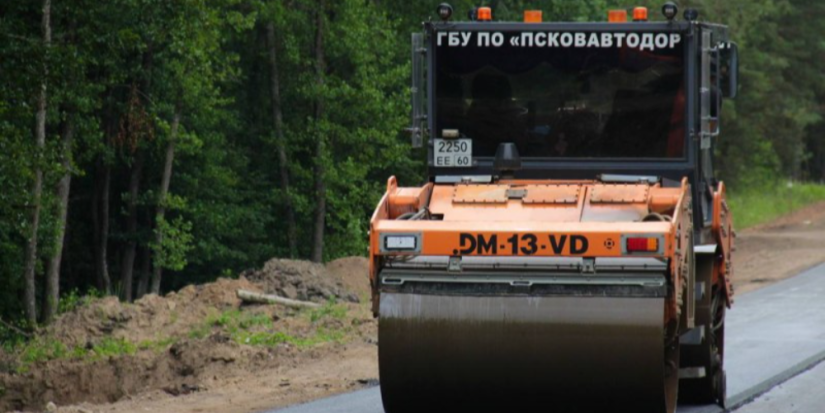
[102, 250]
[129, 252]
[95, 212]
[277, 116]
[320, 178]
[128, 264]
[258, 298]
[52, 299]
[30, 304]
[157, 272]
[145, 271]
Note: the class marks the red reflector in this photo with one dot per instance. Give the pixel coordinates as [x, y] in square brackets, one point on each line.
[642, 245]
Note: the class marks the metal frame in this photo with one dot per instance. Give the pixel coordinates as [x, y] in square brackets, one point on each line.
[469, 264]
[397, 277]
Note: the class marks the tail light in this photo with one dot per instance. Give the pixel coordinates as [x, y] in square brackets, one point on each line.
[642, 244]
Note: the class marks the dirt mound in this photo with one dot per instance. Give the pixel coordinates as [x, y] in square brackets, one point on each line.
[181, 368]
[187, 340]
[353, 273]
[300, 280]
[149, 318]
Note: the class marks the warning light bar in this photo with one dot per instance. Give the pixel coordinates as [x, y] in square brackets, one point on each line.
[617, 16]
[642, 244]
[640, 14]
[484, 14]
[532, 16]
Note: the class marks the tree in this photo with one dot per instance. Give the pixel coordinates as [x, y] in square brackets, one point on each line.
[160, 215]
[190, 83]
[37, 186]
[136, 128]
[280, 139]
[320, 138]
[52, 298]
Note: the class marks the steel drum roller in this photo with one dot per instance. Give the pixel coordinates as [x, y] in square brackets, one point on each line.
[523, 353]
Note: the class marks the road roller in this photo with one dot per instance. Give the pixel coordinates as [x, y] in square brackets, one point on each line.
[570, 249]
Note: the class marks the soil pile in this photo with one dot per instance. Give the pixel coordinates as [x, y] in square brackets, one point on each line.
[150, 318]
[300, 280]
[353, 273]
[188, 340]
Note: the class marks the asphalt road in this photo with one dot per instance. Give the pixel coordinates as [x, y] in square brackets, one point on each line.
[801, 394]
[772, 334]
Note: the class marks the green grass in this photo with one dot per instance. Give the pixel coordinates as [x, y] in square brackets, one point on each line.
[330, 310]
[112, 347]
[42, 349]
[269, 339]
[258, 329]
[234, 320]
[46, 348]
[201, 331]
[759, 205]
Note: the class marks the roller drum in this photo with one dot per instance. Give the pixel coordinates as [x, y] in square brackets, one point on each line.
[524, 353]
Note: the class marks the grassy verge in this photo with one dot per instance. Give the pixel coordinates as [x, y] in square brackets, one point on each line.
[759, 205]
[46, 348]
[325, 324]
[258, 329]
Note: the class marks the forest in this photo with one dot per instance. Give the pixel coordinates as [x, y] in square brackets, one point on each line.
[150, 144]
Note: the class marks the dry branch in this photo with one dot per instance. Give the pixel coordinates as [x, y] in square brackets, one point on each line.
[253, 297]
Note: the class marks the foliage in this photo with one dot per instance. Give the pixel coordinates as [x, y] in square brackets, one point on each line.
[176, 243]
[73, 299]
[120, 70]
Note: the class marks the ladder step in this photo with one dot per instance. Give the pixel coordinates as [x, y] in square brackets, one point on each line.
[700, 291]
[692, 373]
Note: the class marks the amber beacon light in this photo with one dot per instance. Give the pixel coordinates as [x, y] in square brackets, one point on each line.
[640, 14]
[485, 14]
[532, 16]
[617, 16]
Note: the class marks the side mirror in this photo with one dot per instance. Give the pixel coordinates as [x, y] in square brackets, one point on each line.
[729, 69]
[418, 119]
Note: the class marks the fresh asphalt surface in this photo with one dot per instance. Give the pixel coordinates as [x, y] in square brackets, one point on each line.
[772, 335]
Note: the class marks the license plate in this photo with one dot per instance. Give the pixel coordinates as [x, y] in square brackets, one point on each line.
[453, 153]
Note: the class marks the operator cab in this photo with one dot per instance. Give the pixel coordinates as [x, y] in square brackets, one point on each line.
[575, 100]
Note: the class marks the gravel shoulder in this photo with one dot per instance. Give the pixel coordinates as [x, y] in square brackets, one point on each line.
[780, 249]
